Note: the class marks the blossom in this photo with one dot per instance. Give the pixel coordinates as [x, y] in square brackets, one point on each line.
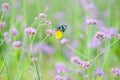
[60, 67]
[76, 60]
[48, 22]
[49, 32]
[112, 31]
[34, 59]
[86, 65]
[14, 31]
[91, 22]
[30, 31]
[102, 35]
[17, 44]
[5, 34]
[2, 24]
[42, 15]
[99, 72]
[118, 36]
[5, 6]
[115, 71]
[64, 41]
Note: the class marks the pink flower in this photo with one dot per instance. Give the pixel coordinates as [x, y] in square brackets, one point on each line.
[17, 44]
[5, 6]
[60, 67]
[14, 31]
[2, 24]
[86, 65]
[118, 36]
[30, 31]
[48, 22]
[34, 59]
[5, 34]
[43, 15]
[49, 32]
[102, 35]
[115, 71]
[91, 22]
[99, 72]
[76, 60]
[64, 41]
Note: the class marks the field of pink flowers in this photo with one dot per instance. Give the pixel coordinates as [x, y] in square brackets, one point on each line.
[88, 50]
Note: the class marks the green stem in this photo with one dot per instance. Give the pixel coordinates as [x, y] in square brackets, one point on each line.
[104, 50]
[76, 51]
[35, 64]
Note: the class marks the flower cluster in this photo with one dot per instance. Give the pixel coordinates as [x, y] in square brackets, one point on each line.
[115, 71]
[2, 24]
[30, 31]
[102, 35]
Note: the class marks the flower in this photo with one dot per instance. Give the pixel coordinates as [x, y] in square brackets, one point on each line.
[17, 44]
[14, 31]
[115, 71]
[48, 22]
[118, 36]
[48, 49]
[64, 41]
[95, 42]
[60, 78]
[49, 32]
[34, 59]
[99, 72]
[86, 65]
[30, 31]
[112, 31]
[76, 60]
[42, 15]
[5, 34]
[91, 22]
[5, 6]
[60, 67]
[102, 35]
[2, 24]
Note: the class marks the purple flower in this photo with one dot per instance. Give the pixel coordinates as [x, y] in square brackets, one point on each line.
[79, 72]
[86, 65]
[115, 71]
[95, 42]
[48, 49]
[5, 7]
[60, 67]
[34, 59]
[86, 76]
[112, 31]
[91, 22]
[8, 41]
[64, 41]
[102, 35]
[17, 44]
[60, 78]
[5, 34]
[42, 15]
[76, 60]
[118, 36]
[48, 23]
[30, 31]
[99, 72]
[2, 24]
[14, 31]
[49, 32]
